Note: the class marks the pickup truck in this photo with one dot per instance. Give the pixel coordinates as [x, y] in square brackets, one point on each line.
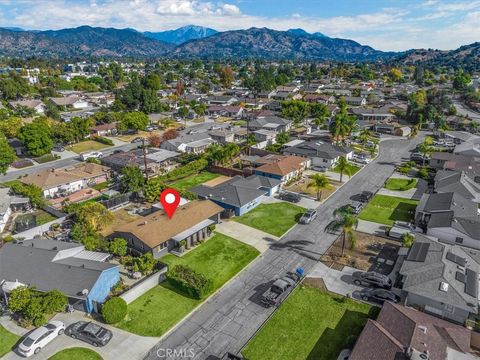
[281, 288]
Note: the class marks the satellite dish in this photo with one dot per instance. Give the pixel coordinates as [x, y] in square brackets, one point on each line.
[85, 292]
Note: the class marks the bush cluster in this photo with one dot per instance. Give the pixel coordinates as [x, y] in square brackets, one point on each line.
[104, 140]
[114, 310]
[189, 282]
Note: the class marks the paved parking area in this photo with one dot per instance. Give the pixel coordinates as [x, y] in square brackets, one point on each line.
[123, 345]
[339, 282]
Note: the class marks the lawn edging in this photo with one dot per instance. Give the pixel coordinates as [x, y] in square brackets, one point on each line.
[204, 301]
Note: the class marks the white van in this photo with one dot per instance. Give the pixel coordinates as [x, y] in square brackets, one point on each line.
[91, 155]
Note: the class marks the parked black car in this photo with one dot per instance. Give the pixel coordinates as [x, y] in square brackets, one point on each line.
[379, 295]
[291, 197]
[365, 196]
[89, 332]
[372, 278]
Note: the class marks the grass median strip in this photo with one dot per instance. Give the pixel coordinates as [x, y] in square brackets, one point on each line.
[159, 309]
[77, 353]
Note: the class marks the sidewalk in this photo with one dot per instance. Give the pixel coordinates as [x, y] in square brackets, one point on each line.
[339, 282]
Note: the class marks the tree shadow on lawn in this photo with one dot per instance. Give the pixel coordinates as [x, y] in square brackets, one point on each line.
[403, 212]
[344, 335]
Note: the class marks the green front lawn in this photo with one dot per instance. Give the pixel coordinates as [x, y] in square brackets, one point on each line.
[87, 146]
[77, 353]
[43, 217]
[7, 341]
[387, 209]
[311, 324]
[397, 184]
[219, 259]
[274, 218]
[352, 167]
[194, 180]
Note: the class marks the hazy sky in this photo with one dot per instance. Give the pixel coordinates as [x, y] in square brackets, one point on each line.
[385, 25]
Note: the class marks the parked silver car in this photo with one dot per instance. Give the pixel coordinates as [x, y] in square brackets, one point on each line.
[40, 337]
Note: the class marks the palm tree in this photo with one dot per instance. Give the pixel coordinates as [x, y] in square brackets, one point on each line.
[319, 182]
[425, 148]
[348, 222]
[344, 167]
[365, 134]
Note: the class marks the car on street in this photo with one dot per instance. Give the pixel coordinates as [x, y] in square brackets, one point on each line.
[137, 140]
[419, 158]
[372, 278]
[356, 206]
[89, 332]
[319, 168]
[58, 148]
[280, 288]
[91, 155]
[40, 337]
[379, 295]
[365, 196]
[290, 197]
[308, 216]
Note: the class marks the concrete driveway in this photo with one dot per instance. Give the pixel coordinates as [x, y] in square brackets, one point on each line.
[123, 345]
[258, 239]
[339, 282]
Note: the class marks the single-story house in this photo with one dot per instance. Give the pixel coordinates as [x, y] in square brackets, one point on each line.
[190, 143]
[449, 217]
[373, 114]
[104, 129]
[468, 148]
[223, 136]
[239, 195]
[73, 102]
[8, 204]
[63, 182]
[440, 279]
[221, 100]
[403, 333]
[36, 105]
[321, 153]
[265, 136]
[448, 161]
[271, 123]
[284, 169]
[158, 161]
[460, 182]
[231, 111]
[83, 276]
[157, 234]
[356, 100]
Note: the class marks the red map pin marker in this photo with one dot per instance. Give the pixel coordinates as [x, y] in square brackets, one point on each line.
[170, 198]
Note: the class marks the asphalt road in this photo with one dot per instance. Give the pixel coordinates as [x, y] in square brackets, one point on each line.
[58, 164]
[464, 110]
[231, 317]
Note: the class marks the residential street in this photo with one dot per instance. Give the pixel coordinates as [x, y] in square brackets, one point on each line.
[231, 317]
[60, 163]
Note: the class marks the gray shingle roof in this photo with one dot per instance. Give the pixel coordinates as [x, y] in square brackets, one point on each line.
[238, 191]
[46, 267]
[318, 149]
[424, 277]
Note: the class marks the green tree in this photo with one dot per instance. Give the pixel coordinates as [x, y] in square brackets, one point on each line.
[7, 154]
[37, 137]
[319, 182]
[11, 126]
[118, 247]
[54, 301]
[19, 298]
[153, 188]
[114, 310]
[33, 192]
[282, 138]
[93, 215]
[407, 240]
[348, 223]
[425, 148]
[132, 179]
[134, 120]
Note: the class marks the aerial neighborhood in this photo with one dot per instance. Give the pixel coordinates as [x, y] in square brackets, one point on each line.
[326, 206]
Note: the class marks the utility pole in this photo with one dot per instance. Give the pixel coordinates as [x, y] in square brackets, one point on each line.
[145, 159]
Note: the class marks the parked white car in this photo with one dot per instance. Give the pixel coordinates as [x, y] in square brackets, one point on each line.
[40, 337]
[91, 155]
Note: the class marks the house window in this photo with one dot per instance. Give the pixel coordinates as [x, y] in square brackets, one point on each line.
[162, 246]
[459, 240]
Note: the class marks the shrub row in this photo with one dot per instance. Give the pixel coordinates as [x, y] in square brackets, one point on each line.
[189, 282]
[187, 170]
[104, 140]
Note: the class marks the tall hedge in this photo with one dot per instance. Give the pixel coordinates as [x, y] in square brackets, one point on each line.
[189, 282]
[114, 310]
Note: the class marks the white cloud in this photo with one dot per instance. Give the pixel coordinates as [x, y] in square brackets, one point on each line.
[385, 29]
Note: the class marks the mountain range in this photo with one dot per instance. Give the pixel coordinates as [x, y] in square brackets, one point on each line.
[200, 42]
[182, 35]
